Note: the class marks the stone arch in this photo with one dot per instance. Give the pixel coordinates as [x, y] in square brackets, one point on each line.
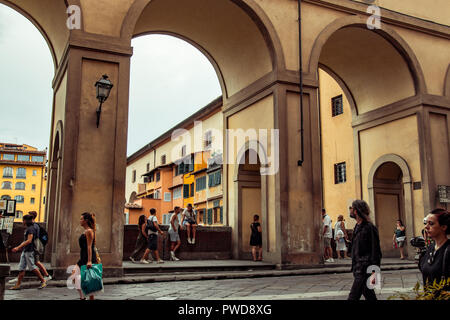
[407, 191]
[252, 34]
[385, 38]
[48, 21]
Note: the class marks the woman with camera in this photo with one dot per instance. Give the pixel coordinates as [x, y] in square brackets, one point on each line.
[435, 264]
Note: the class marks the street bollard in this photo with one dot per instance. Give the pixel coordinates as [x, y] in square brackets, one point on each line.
[4, 272]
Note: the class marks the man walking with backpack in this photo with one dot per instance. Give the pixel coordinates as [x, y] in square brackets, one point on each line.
[152, 231]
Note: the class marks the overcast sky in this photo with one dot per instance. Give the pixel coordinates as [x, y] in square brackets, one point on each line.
[170, 80]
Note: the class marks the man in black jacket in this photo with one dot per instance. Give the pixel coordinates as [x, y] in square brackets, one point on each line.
[366, 251]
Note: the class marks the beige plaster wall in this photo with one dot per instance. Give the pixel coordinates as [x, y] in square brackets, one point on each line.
[223, 29]
[399, 137]
[301, 228]
[260, 115]
[372, 68]
[433, 54]
[94, 183]
[337, 146]
[431, 10]
[60, 104]
[104, 16]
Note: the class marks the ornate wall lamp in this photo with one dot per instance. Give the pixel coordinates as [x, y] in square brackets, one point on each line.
[104, 87]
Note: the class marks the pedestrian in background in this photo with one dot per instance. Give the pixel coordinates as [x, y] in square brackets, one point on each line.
[190, 221]
[327, 234]
[152, 230]
[141, 241]
[366, 251]
[340, 237]
[256, 238]
[435, 264]
[174, 236]
[399, 238]
[28, 253]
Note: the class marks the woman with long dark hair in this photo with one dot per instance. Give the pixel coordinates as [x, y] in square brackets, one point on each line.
[366, 251]
[399, 238]
[435, 264]
[86, 241]
[142, 239]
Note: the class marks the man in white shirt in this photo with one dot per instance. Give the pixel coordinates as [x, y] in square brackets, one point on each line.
[327, 235]
[190, 221]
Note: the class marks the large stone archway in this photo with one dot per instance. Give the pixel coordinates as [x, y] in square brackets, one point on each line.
[255, 49]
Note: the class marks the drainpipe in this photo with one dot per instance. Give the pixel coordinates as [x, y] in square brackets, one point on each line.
[300, 162]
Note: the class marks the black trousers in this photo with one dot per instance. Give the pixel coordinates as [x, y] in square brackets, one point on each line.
[360, 288]
[141, 245]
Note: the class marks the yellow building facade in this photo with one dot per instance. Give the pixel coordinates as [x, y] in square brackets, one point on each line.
[23, 178]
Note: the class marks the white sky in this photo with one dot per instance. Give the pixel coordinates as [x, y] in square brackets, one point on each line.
[170, 80]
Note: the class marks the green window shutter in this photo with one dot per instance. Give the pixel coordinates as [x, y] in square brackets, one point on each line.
[192, 189]
[218, 176]
[186, 191]
[221, 214]
[210, 180]
[210, 212]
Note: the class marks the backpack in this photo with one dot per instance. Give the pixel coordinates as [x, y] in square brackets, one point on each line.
[150, 226]
[41, 240]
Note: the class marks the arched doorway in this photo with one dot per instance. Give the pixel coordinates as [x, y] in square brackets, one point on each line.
[389, 204]
[250, 199]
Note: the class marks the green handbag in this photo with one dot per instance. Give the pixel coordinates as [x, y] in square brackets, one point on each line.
[91, 279]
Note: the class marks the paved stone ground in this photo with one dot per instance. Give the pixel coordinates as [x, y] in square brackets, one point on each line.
[305, 287]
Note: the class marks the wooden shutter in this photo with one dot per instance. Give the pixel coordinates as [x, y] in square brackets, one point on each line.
[221, 214]
[210, 217]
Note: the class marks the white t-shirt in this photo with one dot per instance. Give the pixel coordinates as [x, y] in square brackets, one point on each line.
[176, 222]
[190, 215]
[327, 222]
[154, 219]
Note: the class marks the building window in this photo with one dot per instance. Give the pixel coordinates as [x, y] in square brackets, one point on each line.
[151, 177]
[177, 193]
[214, 179]
[34, 173]
[158, 176]
[21, 173]
[20, 186]
[8, 172]
[148, 167]
[22, 157]
[19, 199]
[19, 214]
[157, 194]
[43, 201]
[32, 200]
[9, 157]
[192, 189]
[183, 150]
[200, 184]
[33, 187]
[133, 177]
[5, 197]
[185, 191]
[208, 140]
[340, 174]
[337, 107]
[6, 185]
[37, 159]
[163, 159]
[167, 196]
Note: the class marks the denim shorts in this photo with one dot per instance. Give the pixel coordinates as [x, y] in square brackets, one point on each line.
[153, 242]
[27, 260]
[174, 236]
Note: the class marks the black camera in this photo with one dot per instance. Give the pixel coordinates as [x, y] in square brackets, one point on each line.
[420, 244]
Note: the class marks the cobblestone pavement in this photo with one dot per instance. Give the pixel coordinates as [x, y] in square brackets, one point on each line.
[311, 287]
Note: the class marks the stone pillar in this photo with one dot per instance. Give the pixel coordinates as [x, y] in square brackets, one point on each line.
[91, 177]
[4, 272]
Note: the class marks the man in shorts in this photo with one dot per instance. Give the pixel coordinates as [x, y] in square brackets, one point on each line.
[27, 257]
[173, 233]
[327, 235]
[152, 237]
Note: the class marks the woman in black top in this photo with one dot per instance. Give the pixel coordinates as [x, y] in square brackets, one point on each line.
[141, 242]
[399, 238]
[87, 244]
[256, 238]
[435, 264]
